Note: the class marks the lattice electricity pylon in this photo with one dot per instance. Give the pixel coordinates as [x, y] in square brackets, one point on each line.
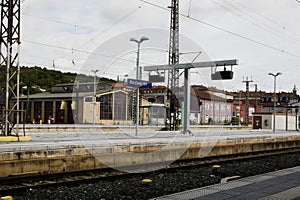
[9, 45]
[173, 74]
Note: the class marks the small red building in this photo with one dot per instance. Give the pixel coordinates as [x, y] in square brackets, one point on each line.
[261, 102]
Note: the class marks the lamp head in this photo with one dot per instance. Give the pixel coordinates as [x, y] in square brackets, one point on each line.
[277, 74]
[144, 38]
[95, 71]
[133, 40]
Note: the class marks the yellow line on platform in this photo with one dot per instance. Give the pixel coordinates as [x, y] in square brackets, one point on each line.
[15, 138]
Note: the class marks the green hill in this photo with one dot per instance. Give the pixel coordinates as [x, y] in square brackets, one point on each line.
[44, 78]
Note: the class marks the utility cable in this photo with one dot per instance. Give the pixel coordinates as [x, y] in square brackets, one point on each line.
[226, 31]
[190, 5]
[259, 14]
[112, 25]
[250, 19]
[87, 52]
[75, 25]
[56, 21]
[258, 22]
[76, 50]
[104, 31]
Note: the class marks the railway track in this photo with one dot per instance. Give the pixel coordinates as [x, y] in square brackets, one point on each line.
[21, 182]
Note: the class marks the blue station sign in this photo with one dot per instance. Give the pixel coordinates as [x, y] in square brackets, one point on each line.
[139, 83]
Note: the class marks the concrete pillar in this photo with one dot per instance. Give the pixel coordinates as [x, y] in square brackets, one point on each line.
[213, 117]
[32, 111]
[66, 112]
[80, 110]
[21, 113]
[113, 106]
[54, 111]
[126, 105]
[43, 112]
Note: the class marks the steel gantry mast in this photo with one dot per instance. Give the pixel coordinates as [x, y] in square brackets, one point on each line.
[173, 74]
[247, 98]
[9, 45]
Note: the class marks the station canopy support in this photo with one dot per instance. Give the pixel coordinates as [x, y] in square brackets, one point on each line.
[9, 57]
[187, 67]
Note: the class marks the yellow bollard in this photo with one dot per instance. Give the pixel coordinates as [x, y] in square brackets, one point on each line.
[7, 198]
[41, 121]
[216, 166]
[215, 170]
[146, 181]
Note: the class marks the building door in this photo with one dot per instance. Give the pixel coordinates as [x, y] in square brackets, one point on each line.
[37, 112]
[48, 112]
[60, 112]
[257, 120]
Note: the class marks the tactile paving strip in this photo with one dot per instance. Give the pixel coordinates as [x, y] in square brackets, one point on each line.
[201, 192]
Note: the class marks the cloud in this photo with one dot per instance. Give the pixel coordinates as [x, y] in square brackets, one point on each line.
[262, 35]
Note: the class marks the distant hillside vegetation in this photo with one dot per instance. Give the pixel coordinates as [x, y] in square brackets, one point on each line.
[43, 78]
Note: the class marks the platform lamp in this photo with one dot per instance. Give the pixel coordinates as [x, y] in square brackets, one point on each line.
[274, 105]
[138, 68]
[138, 77]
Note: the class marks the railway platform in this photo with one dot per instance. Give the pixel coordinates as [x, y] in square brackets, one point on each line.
[64, 151]
[279, 185]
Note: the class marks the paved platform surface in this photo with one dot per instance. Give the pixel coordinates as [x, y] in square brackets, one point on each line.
[98, 137]
[283, 184]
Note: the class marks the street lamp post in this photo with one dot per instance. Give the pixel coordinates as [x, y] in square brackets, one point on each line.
[274, 105]
[240, 108]
[138, 77]
[94, 97]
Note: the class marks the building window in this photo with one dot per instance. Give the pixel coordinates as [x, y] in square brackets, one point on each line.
[106, 107]
[120, 106]
[217, 106]
[206, 106]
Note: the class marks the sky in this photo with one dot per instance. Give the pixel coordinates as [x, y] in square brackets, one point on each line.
[81, 36]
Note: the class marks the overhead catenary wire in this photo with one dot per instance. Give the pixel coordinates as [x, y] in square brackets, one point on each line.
[71, 68]
[57, 21]
[78, 49]
[112, 25]
[108, 28]
[245, 16]
[259, 23]
[266, 18]
[227, 31]
[90, 53]
[190, 5]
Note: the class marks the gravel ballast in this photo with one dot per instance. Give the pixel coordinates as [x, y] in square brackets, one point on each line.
[163, 183]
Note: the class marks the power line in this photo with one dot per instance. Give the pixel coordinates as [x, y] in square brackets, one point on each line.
[56, 21]
[265, 26]
[85, 43]
[112, 25]
[88, 52]
[260, 24]
[64, 67]
[190, 5]
[77, 50]
[264, 16]
[226, 31]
